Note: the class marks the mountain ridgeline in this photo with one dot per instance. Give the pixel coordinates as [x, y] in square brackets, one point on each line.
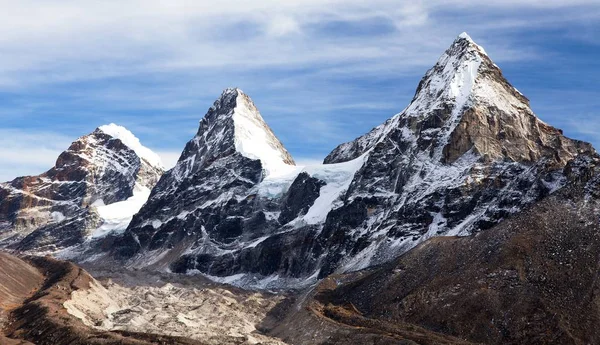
[57, 209]
[466, 154]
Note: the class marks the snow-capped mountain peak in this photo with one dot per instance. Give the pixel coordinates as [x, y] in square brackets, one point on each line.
[131, 141]
[452, 98]
[254, 138]
[233, 125]
[61, 207]
[451, 79]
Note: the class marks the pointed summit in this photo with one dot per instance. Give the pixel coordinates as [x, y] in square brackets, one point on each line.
[255, 139]
[234, 125]
[129, 139]
[465, 36]
[217, 174]
[452, 78]
[464, 103]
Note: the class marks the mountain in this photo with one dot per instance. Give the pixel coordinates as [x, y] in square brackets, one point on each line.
[467, 153]
[212, 189]
[532, 279]
[77, 197]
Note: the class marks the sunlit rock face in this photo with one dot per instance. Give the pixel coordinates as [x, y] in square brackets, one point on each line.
[465, 154]
[58, 208]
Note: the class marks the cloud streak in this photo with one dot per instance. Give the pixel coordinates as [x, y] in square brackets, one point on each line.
[321, 71]
[66, 41]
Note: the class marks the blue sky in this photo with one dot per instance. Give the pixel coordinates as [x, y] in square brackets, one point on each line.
[321, 72]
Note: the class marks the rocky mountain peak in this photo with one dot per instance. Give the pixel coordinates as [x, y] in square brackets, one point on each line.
[466, 153]
[131, 141]
[109, 148]
[214, 185]
[233, 125]
[465, 104]
[59, 207]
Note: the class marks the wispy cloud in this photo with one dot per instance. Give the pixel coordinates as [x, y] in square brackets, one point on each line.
[321, 71]
[66, 41]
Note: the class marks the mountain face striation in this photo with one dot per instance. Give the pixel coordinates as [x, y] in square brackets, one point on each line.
[528, 280]
[64, 205]
[465, 154]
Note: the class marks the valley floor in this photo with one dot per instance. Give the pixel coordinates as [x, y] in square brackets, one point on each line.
[46, 301]
[174, 305]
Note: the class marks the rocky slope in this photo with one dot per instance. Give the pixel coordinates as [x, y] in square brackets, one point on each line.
[64, 205]
[467, 153]
[43, 319]
[47, 301]
[531, 279]
[212, 314]
[18, 281]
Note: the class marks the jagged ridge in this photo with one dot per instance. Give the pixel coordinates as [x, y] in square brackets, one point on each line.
[466, 153]
[54, 209]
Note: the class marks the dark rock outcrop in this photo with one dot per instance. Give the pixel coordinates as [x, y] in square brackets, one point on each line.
[300, 197]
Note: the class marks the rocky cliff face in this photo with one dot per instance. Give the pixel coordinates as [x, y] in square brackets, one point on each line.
[467, 153]
[525, 281]
[208, 202]
[60, 207]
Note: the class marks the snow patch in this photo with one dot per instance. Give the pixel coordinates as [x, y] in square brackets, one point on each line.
[255, 140]
[337, 177]
[58, 217]
[465, 36]
[117, 216]
[123, 134]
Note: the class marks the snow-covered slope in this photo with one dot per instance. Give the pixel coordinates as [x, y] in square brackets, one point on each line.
[255, 140]
[117, 216]
[232, 125]
[465, 154]
[127, 138]
[58, 208]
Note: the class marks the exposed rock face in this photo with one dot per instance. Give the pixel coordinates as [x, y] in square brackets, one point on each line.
[467, 153]
[207, 202]
[529, 280]
[464, 103]
[301, 195]
[57, 208]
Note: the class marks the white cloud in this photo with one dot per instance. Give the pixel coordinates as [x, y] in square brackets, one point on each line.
[58, 41]
[280, 26]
